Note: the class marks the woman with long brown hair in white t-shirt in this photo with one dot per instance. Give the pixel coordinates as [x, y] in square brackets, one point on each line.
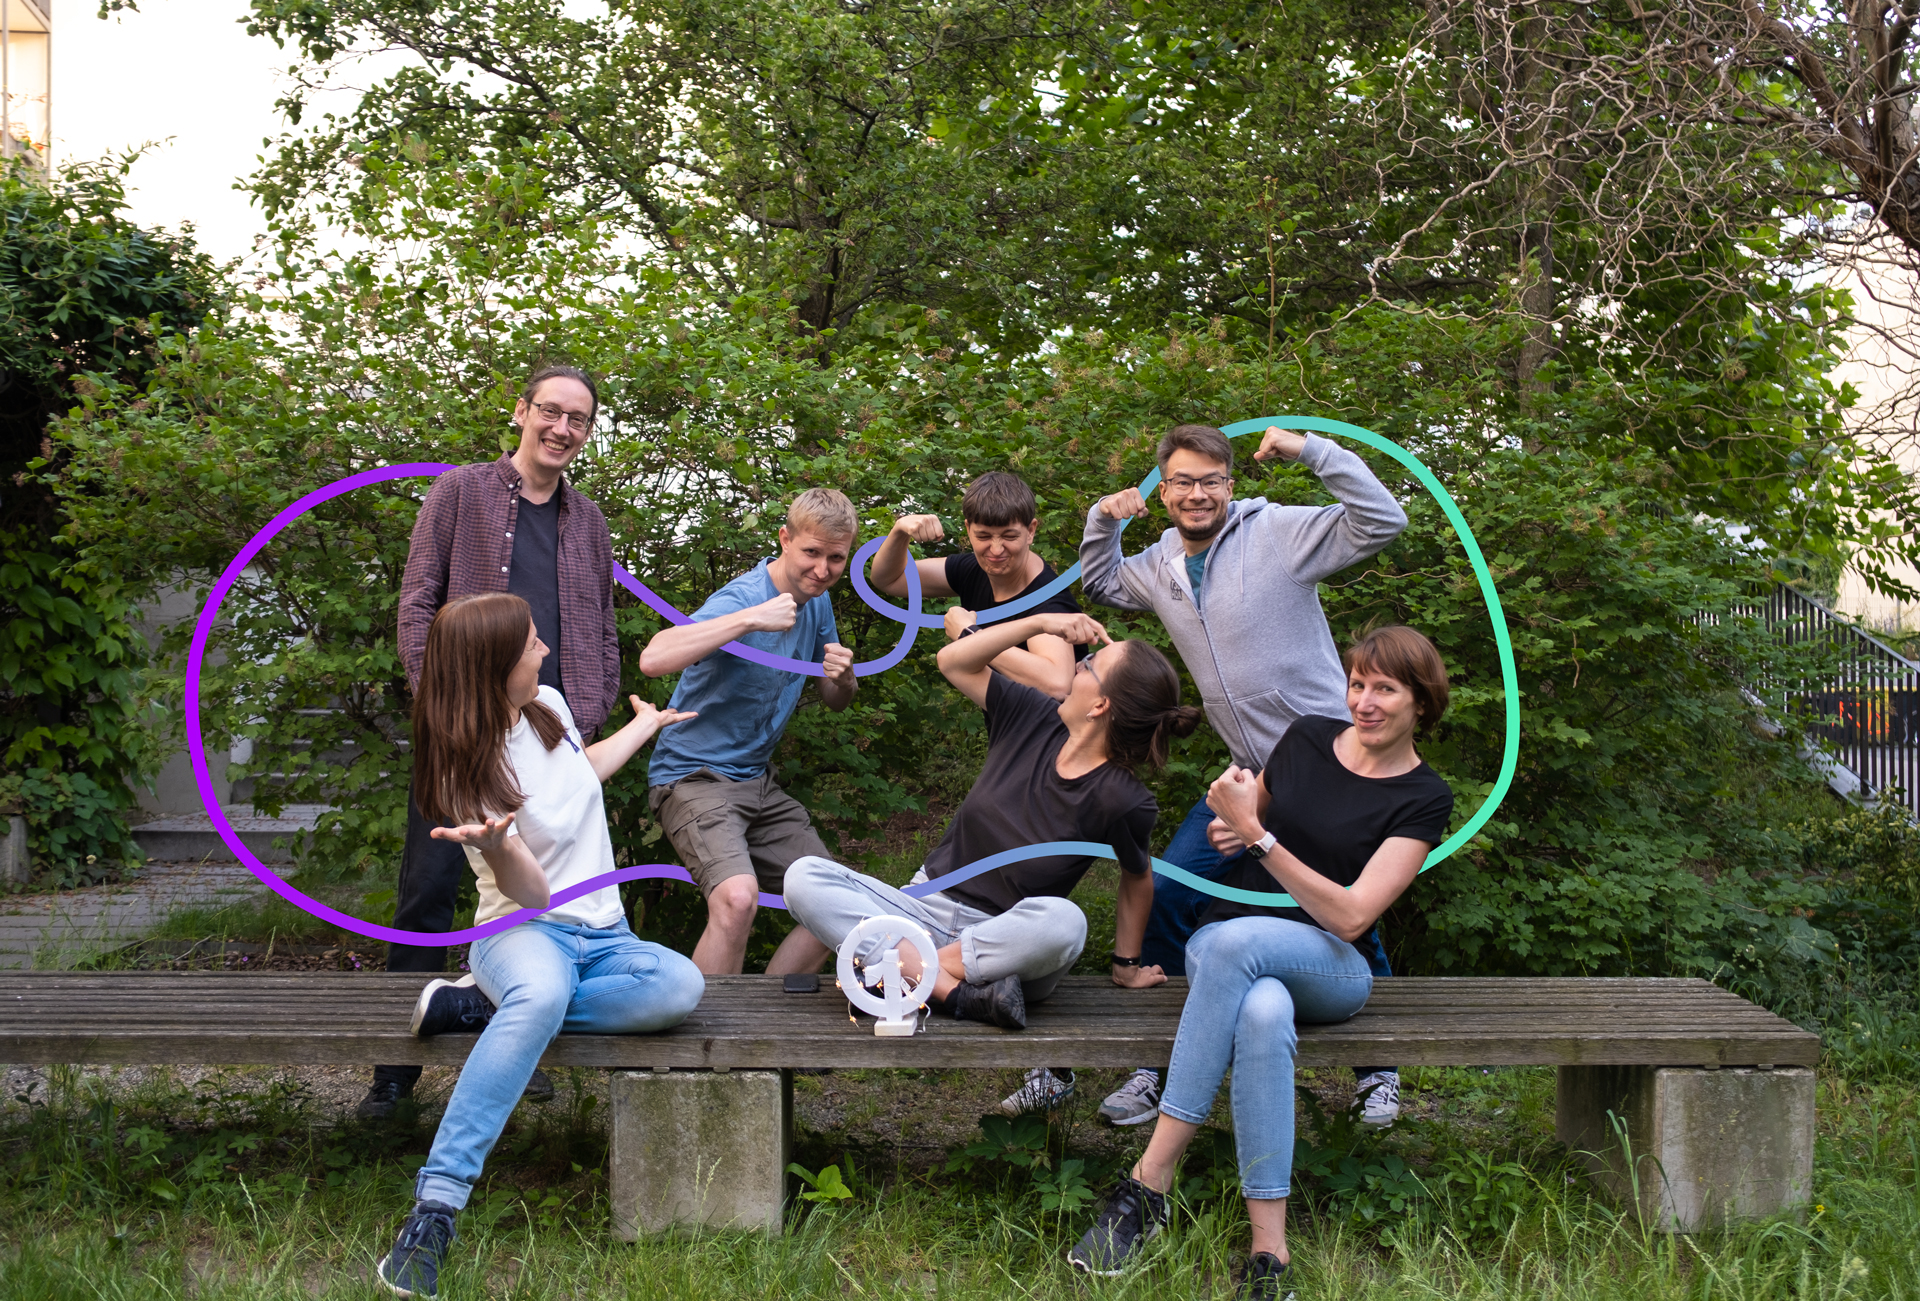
[498, 756]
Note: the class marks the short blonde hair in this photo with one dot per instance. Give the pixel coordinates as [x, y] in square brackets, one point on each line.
[823, 512]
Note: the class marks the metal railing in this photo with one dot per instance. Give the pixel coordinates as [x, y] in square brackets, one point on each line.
[1868, 709]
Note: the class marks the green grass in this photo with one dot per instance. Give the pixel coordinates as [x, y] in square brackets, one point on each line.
[262, 918]
[223, 1191]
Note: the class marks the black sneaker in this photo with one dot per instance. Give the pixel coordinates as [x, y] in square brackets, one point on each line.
[451, 1007]
[382, 1100]
[412, 1268]
[539, 1088]
[1002, 1003]
[1267, 1279]
[1126, 1222]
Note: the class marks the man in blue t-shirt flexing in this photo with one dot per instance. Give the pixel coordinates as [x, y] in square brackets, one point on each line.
[733, 827]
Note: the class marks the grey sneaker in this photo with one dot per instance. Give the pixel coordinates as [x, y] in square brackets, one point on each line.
[1043, 1091]
[1130, 1217]
[1381, 1106]
[1135, 1102]
[412, 1268]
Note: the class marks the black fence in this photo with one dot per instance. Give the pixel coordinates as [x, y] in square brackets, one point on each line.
[1868, 712]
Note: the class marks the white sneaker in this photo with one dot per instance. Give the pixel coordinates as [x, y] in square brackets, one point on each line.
[1382, 1106]
[1043, 1091]
[1135, 1102]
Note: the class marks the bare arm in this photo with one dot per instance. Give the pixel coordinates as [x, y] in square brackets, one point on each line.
[1347, 911]
[889, 572]
[967, 661]
[1130, 931]
[515, 871]
[673, 649]
[839, 684]
[610, 755]
[1045, 664]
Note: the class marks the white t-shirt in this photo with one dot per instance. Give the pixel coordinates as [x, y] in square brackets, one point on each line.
[563, 824]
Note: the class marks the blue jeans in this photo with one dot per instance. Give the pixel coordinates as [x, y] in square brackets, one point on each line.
[546, 977]
[1177, 908]
[1252, 979]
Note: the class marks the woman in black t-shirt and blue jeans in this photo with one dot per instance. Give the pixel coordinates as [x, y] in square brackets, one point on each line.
[1341, 818]
[1055, 770]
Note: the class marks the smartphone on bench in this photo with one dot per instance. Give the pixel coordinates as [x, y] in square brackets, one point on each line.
[805, 983]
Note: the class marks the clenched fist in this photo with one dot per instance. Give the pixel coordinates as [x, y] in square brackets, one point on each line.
[1287, 444]
[920, 528]
[838, 662]
[776, 615]
[1125, 504]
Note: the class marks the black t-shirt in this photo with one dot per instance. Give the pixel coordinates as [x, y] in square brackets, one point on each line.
[1021, 799]
[534, 577]
[974, 586]
[1333, 819]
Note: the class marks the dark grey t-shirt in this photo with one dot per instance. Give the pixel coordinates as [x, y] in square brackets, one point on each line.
[1021, 799]
[534, 577]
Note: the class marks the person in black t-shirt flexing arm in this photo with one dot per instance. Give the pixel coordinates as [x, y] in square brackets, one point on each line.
[1055, 771]
[1001, 518]
[1341, 818]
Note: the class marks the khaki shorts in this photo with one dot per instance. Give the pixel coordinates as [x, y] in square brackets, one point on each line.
[722, 828]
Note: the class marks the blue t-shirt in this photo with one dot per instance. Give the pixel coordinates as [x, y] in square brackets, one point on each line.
[743, 706]
[1196, 570]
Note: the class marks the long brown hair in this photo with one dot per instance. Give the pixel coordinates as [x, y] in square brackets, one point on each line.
[1144, 712]
[461, 713]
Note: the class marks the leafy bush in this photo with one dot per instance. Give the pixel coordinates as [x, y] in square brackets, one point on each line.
[82, 292]
[72, 821]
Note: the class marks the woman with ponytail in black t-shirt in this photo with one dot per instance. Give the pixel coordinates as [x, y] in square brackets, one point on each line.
[1341, 818]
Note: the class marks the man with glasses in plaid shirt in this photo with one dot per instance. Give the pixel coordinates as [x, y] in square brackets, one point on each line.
[1236, 583]
[510, 525]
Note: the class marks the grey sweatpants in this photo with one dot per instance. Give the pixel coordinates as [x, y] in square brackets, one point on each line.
[1037, 939]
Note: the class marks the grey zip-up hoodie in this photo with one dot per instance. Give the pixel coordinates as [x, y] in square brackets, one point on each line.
[1258, 646]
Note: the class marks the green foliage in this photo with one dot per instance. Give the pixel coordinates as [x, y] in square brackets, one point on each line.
[1066, 1189]
[75, 826]
[83, 293]
[1020, 1142]
[827, 1186]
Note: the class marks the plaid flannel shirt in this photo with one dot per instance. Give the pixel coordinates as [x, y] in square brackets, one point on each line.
[463, 545]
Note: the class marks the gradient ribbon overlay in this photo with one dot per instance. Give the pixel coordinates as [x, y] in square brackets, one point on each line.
[911, 619]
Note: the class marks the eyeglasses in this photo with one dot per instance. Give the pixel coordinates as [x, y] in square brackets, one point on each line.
[1182, 484]
[549, 412]
[1086, 666]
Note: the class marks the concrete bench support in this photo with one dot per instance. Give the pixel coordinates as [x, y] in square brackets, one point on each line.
[1709, 1146]
[699, 1149]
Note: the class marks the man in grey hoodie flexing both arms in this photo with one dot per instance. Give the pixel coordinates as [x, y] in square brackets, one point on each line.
[1236, 583]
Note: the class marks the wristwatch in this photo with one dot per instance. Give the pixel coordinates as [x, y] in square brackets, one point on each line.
[1263, 846]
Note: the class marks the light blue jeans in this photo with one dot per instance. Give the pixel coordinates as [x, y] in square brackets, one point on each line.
[1251, 979]
[546, 977]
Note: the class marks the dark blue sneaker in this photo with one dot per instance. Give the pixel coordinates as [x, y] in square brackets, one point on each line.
[1267, 1279]
[412, 1268]
[451, 1007]
[1127, 1221]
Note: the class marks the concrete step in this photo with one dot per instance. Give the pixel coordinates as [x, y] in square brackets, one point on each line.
[190, 837]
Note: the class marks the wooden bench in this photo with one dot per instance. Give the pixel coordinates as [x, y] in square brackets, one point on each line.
[1711, 1095]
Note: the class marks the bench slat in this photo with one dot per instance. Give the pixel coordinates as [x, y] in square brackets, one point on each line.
[240, 1018]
